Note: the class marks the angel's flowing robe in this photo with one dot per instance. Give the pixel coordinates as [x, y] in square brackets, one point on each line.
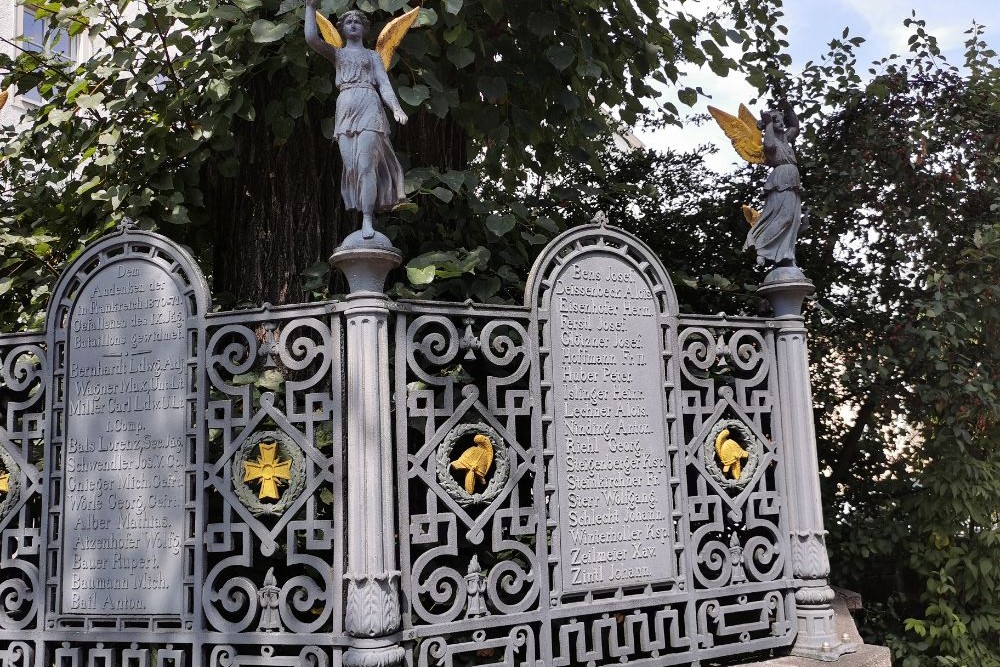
[359, 109]
[775, 234]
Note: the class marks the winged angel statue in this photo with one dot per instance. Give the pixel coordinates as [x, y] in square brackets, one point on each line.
[774, 230]
[372, 178]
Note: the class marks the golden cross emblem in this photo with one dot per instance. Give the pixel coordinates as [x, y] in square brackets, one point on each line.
[268, 470]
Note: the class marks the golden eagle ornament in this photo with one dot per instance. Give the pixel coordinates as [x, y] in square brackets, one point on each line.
[730, 453]
[476, 461]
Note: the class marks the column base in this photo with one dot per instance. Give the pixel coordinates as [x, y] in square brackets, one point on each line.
[381, 656]
[818, 638]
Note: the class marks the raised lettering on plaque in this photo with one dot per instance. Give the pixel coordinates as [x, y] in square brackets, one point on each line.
[609, 427]
[123, 487]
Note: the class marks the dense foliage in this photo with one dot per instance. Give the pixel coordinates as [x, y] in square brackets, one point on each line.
[211, 120]
[903, 177]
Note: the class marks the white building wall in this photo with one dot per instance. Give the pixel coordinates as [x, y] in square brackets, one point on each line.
[8, 30]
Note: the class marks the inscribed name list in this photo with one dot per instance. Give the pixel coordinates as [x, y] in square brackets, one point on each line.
[609, 426]
[123, 485]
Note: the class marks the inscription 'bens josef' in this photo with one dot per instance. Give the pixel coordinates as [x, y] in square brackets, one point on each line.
[614, 512]
[124, 463]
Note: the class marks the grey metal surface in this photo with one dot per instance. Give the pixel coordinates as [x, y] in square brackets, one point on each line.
[719, 580]
[591, 478]
[132, 425]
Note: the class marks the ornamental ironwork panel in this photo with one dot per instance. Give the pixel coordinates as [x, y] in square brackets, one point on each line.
[171, 489]
[588, 479]
[558, 503]
[24, 387]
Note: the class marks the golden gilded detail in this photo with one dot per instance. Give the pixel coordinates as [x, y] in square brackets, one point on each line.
[5, 482]
[477, 461]
[268, 470]
[4, 96]
[751, 214]
[742, 130]
[330, 33]
[730, 453]
[388, 40]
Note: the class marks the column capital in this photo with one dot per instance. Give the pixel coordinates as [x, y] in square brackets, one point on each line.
[366, 262]
[786, 287]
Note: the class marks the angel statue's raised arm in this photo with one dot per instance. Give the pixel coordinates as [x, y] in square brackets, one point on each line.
[372, 179]
[775, 229]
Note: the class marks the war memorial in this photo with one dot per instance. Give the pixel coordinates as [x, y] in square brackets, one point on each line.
[590, 478]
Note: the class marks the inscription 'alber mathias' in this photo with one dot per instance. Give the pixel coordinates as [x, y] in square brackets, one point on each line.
[605, 340]
[124, 455]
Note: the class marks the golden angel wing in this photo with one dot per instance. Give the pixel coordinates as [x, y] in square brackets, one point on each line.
[329, 31]
[747, 139]
[3, 98]
[751, 214]
[393, 33]
[747, 117]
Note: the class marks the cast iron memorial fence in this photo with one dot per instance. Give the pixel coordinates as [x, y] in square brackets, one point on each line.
[591, 479]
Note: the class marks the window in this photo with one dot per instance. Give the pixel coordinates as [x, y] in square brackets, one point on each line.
[36, 36]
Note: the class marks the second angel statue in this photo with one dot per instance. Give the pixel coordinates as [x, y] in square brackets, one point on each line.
[372, 178]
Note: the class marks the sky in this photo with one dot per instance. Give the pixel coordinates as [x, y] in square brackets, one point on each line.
[811, 25]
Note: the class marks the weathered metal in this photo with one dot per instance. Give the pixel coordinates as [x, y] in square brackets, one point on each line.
[370, 482]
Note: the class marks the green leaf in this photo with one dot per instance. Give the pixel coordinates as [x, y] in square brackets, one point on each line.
[5, 284]
[543, 23]
[88, 185]
[421, 276]
[688, 96]
[453, 6]
[265, 32]
[85, 101]
[494, 9]
[493, 88]
[460, 56]
[500, 225]
[560, 56]
[485, 287]
[271, 380]
[414, 96]
[318, 269]
[454, 179]
[443, 194]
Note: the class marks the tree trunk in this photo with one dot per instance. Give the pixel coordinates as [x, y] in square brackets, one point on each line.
[283, 212]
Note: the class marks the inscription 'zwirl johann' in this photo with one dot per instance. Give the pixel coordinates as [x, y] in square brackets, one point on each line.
[614, 511]
[123, 467]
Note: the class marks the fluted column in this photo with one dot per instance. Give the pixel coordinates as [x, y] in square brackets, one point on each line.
[817, 635]
[372, 612]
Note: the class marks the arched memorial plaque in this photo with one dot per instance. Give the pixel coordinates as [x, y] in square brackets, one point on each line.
[125, 324]
[602, 307]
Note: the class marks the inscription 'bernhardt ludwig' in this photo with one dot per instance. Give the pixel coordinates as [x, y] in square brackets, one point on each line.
[607, 373]
[124, 464]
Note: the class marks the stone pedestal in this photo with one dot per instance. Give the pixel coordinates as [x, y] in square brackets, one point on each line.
[372, 610]
[867, 655]
[786, 288]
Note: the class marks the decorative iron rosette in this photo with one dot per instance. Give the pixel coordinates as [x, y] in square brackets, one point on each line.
[268, 473]
[472, 461]
[10, 482]
[731, 459]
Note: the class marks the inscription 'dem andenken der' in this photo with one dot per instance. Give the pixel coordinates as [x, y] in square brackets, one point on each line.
[123, 486]
[614, 510]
